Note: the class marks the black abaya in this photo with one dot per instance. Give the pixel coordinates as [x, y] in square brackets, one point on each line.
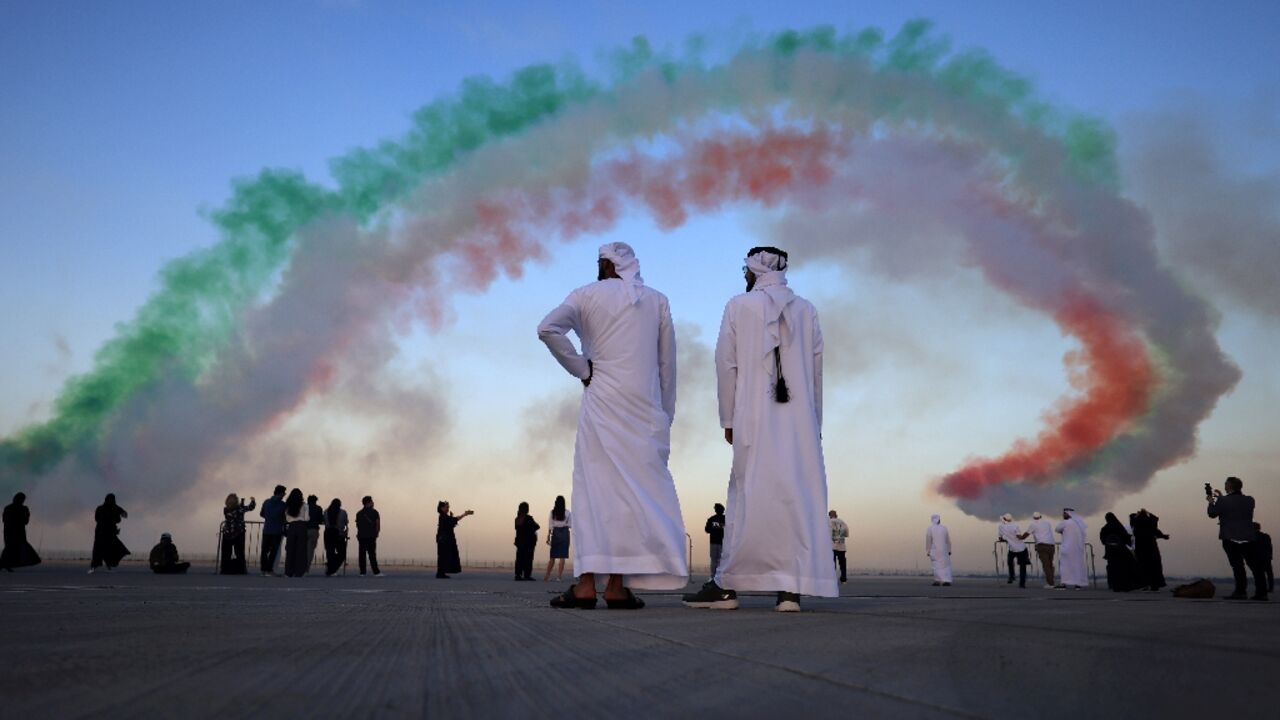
[447, 560]
[107, 547]
[1122, 571]
[17, 551]
[526, 542]
[1146, 531]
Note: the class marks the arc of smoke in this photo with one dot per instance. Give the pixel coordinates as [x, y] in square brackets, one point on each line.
[203, 297]
[1116, 375]
[1051, 173]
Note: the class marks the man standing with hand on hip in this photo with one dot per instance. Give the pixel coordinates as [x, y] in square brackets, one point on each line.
[626, 516]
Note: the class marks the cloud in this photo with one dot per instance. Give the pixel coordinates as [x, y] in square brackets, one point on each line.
[1220, 226]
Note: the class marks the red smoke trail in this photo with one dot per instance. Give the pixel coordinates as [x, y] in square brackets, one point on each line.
[1112, 369]
[710, 173]
[1117, 377]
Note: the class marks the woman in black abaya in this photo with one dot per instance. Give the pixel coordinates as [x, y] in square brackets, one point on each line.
[1122, 571]
[447, 559]
[1146, 531]
[107, 548]
[526, 542]
[17, 551]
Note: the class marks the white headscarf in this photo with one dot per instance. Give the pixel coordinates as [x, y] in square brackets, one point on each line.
[626, 265]
[936, 519]
[1076, 519]
[1036, 515]
[1007, 517]
[771, 279]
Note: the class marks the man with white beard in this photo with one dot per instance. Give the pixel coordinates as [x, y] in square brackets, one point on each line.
[1071, 568]
[626, 516]
[769, 377]
[937, 545]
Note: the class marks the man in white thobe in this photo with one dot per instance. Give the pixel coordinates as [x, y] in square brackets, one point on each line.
[1071, 568]
[627, 521]
[937, 545]
[769, 377]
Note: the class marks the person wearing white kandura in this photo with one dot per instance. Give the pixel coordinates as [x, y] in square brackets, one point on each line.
[937, 545]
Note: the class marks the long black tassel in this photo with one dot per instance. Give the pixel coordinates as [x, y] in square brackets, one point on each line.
[780, 392]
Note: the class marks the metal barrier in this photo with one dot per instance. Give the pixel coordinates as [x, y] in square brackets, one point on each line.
[1093, 566]
[1000, 549]
[252, 543]
[253, 547]
[690, 539]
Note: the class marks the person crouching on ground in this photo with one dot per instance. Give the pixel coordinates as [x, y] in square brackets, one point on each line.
[164, 557]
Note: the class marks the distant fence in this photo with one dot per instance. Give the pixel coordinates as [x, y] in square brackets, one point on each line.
[1000, 550]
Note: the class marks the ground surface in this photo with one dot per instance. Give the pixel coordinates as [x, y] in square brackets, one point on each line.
[132, 644]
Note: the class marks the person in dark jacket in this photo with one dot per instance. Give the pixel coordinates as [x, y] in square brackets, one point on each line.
[1122, 572]
[315, 519]
[526, 542]
[107, 548]
[1234, 512]
[272, 514]
[1263, 551]
[447, 558]
[17, 551]
[1146, 531]
[164, 558]
[715, 529]
[335, 537]
[368, 527]
[233, 533]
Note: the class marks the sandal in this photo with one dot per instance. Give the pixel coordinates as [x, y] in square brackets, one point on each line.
[567, 599]
[631, 602]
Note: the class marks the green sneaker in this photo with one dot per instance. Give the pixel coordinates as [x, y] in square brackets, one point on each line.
[712, 596]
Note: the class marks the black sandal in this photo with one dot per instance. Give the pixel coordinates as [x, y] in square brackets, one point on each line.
[630, 603]
[567, 600]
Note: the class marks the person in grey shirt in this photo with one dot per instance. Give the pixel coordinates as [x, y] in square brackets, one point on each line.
[1234, 512]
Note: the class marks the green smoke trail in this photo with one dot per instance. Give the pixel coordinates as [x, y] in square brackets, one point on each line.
[202, 296]
[181, 327]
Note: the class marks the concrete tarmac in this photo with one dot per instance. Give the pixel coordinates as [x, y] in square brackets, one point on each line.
[132, 644]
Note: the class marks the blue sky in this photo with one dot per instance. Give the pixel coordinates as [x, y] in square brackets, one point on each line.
[121, 121]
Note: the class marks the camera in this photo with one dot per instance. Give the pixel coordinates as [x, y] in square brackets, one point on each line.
[1208, 490]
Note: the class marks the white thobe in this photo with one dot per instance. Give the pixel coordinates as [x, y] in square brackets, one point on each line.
[937, 545]
[1071, 566]
[627, 517]
[776, 534]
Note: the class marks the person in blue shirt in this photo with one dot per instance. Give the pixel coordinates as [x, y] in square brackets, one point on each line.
[272, 513]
